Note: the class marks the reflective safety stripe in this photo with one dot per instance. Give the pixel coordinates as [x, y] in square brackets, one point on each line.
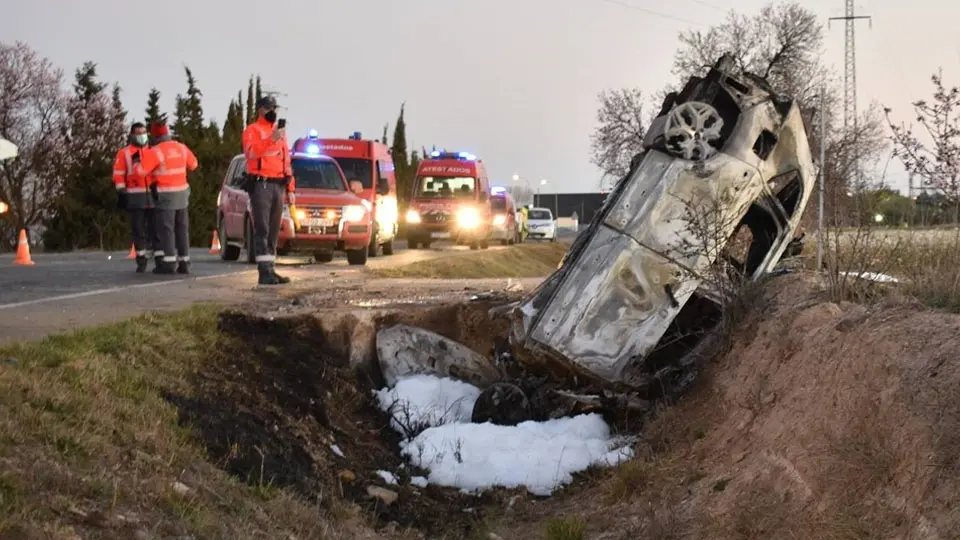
[119, 171]
[171, 172]
[184, 259]
[137, 190]
[143, 253]
[121, 186]
[172, 189]
[168, 258]
[148, 253]
[266, 258]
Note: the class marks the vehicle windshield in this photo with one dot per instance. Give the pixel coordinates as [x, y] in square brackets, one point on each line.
[446, 187]
[539, 214]
[498, 204]
[357, 169]
[317, 174]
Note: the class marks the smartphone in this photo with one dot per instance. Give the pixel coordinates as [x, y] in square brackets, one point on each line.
[281, 123]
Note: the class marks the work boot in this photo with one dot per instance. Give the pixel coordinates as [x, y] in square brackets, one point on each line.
[157, 262]
[183, 267]
[165, 268]
[141, 264]
[280, 279]
[267, 277]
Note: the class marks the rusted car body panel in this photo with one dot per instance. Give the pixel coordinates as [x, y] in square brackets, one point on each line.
[625, 281]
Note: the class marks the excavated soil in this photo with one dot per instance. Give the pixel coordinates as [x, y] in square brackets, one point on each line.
[282, 402]
[824, 420]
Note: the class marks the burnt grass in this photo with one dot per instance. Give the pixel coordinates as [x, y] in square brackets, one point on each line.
[271, 405]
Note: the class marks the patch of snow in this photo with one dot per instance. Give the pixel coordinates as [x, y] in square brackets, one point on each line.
[419, 481]
[388, 477]
[336, 450]
[540, 456]
[421, 401]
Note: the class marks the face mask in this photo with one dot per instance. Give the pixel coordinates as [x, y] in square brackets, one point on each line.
[140, 140]
[270, 116]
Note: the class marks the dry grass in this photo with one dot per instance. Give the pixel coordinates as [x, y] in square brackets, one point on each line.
[927, 262]
[522, 261]
[91, 448]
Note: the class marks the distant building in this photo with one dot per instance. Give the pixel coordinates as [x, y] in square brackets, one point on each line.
[585, 205]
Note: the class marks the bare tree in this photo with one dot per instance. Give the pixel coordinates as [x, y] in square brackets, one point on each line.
[936, 162]
[33, 116]
[621, 125]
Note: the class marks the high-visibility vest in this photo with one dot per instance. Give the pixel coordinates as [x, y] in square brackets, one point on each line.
[266, 157]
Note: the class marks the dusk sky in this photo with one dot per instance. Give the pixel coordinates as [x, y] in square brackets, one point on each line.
[512, 81]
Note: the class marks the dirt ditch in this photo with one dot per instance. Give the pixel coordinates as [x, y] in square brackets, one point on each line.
[282, 406]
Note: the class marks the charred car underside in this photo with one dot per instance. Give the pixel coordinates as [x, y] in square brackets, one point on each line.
[726, 158]
[714, 200]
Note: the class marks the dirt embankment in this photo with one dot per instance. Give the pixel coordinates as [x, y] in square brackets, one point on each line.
[825, 420]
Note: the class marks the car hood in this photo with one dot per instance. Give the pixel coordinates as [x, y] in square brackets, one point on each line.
[326, 197]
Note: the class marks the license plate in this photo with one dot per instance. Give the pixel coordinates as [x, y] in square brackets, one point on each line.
[440, 235]
[316, 222]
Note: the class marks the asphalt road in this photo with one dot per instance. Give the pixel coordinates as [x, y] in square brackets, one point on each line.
[66, 291]
[71, 275]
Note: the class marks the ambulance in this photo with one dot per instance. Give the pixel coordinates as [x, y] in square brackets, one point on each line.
[450, 201]
[370, 163]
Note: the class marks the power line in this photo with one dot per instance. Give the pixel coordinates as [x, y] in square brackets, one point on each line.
[652, 12]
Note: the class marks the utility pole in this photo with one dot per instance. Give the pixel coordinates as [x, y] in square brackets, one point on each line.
[823, 168]
[850, 76]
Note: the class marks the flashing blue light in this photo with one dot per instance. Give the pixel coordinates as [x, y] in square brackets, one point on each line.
[497, 190]
[313, 149]
[435, 154]
[313, 134]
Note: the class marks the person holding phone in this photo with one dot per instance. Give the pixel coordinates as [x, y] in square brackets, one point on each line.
[269, 178]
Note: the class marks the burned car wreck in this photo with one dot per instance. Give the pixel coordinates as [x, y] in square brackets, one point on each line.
[726, 154]
[715, 199]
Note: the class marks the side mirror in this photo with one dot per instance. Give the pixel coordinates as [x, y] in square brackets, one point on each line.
[356, 186]
[383, 187]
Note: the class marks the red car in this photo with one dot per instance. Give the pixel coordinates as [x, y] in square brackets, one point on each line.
[328, 215]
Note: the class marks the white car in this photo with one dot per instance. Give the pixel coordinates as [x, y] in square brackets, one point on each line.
[541, 225]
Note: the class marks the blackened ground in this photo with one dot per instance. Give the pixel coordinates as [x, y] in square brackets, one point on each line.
[270, 406]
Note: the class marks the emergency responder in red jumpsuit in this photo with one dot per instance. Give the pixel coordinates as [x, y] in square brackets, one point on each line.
[167, 162]
[132, 196]
[269, 177]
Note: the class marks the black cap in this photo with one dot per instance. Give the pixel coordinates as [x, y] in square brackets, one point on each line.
[267, 102]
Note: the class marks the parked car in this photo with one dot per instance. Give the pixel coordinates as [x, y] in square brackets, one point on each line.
[541, 225]
[328, 215]
[728, 159]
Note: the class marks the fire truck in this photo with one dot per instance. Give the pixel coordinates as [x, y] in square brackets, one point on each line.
[450, 201]
[368, 162]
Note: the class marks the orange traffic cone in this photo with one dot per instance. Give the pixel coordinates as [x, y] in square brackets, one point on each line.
[23, 250]
[215, 245]
[133, 252]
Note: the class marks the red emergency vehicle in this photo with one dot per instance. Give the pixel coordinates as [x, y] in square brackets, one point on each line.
[451, 201]
[370, 163]
[328, 215]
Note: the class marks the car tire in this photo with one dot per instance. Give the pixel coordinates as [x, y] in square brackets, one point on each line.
[357, 257]
[248, 239]
[484, 244]
[228, 252]
[388, 248]
[374, 247]
[323, 257]
[474, 245]
[553, 238]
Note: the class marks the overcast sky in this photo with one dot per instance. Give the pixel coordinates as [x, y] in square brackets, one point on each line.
[512, 81]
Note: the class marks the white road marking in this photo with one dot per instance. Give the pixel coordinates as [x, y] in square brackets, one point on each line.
[115, 289]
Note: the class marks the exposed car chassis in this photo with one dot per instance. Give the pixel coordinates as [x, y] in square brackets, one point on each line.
[639, 289]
